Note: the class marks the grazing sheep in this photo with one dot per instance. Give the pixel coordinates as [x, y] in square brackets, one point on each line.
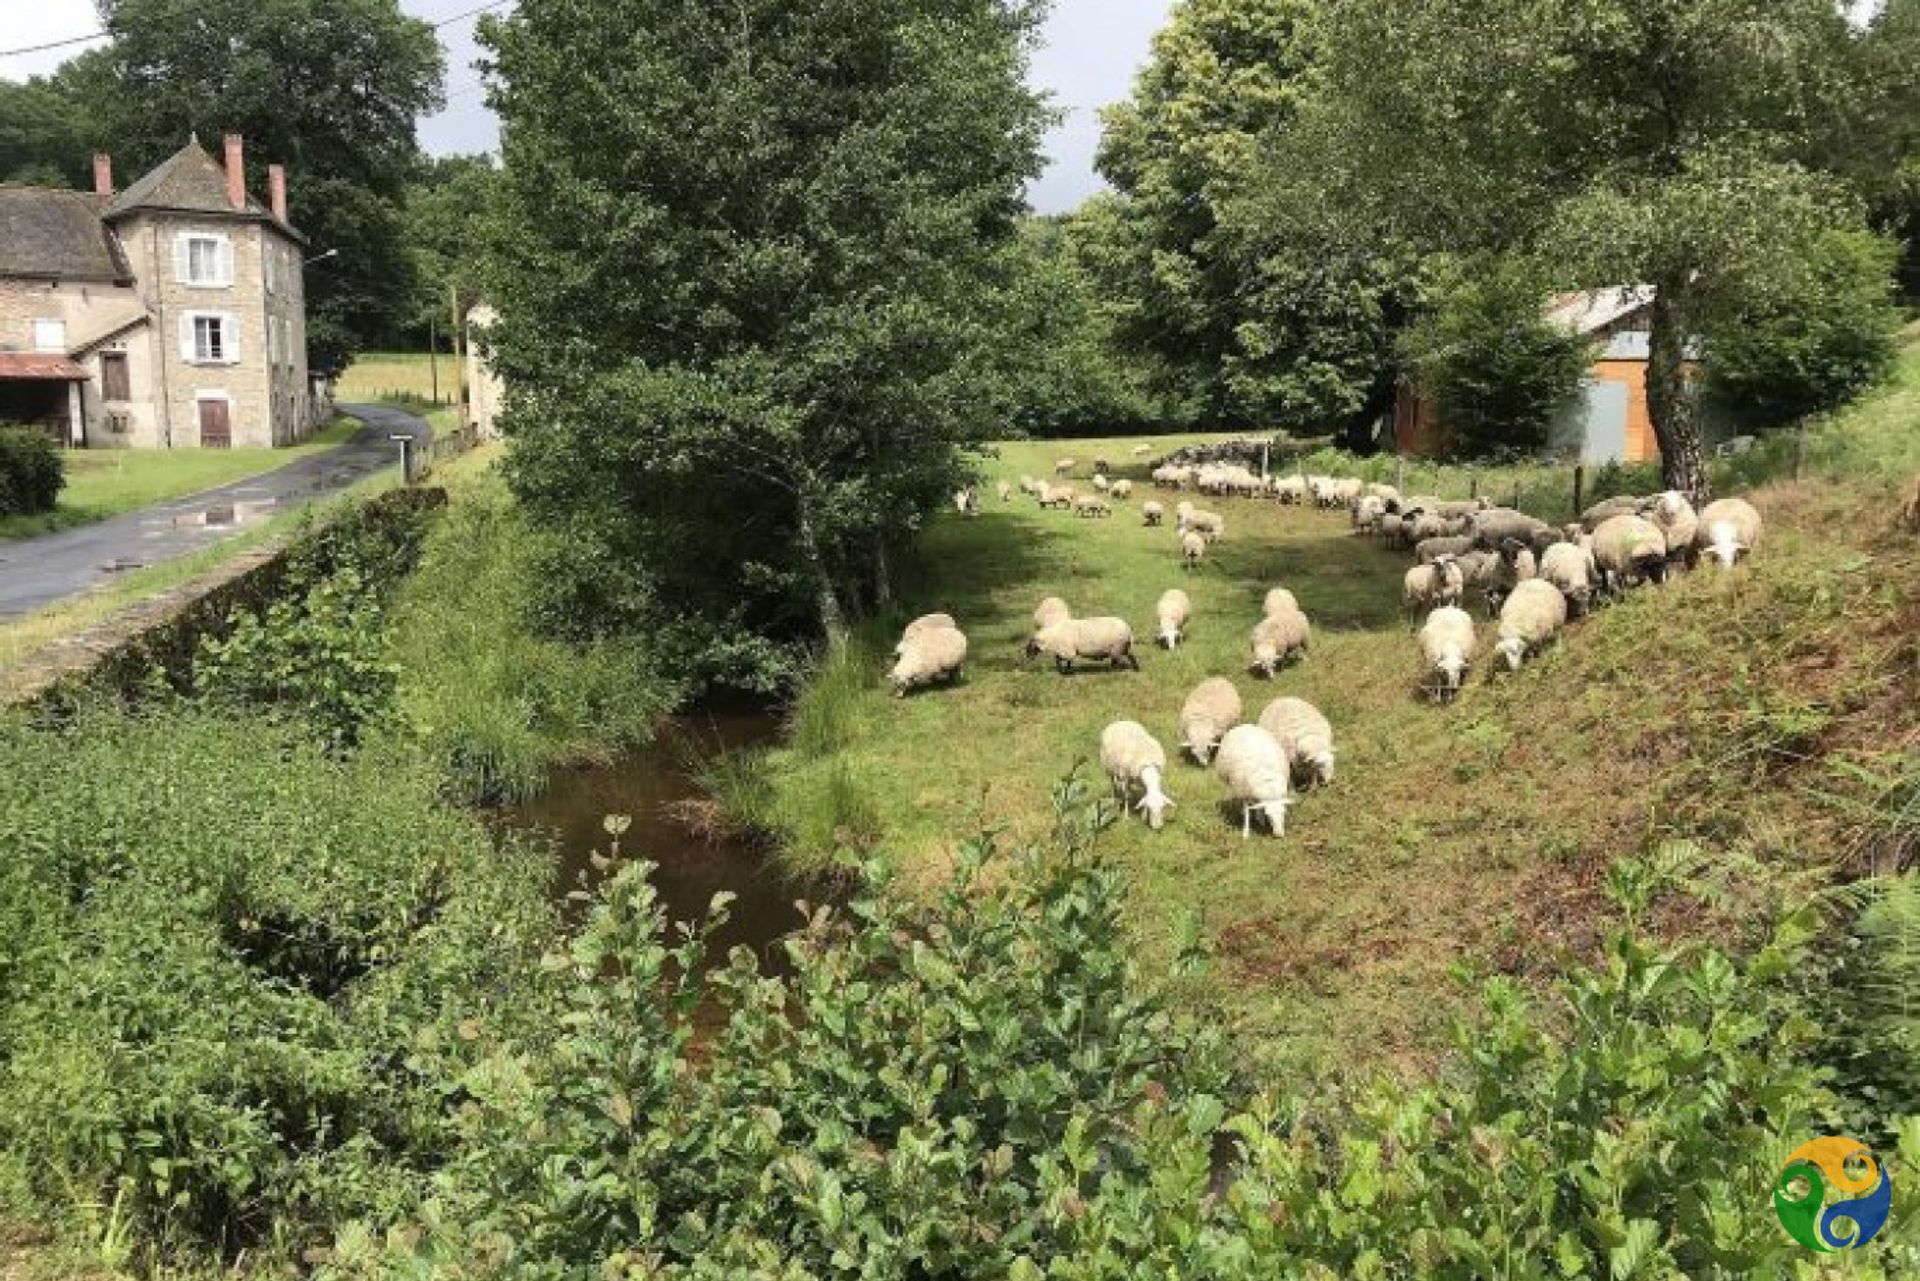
[1210, 711]
[1058, 496]
[1181, 512]
[1152, 513]
[1141, 451]
[1278, 638]
[1432, 524]
[1042, 493]
[1367, 513]
[1192, 548]
[1570, 567]
[1426, 586]
[936, 654]
[1108, 640]
[1607, 508]
[1132, 756]
[1512, 565]
[1496, 525]
[1676, 519]
[1048, 612]
[1392, 528]
[1529, 617]
[1170, 616]
[1209, 525]
[1447, 641]
[1100, 481]
[1629, 550]
[924, 623]
[1101, 464]
[1256, 773]
[1304, 735]
[1729, 528]
[1028, 485]
[1387, 494]
[1291, 490]
[1120, 489]
[1277, 600]
[1064, 466]
[1088, 505]
[1433, 549]
[967, 502]
[1005, 491]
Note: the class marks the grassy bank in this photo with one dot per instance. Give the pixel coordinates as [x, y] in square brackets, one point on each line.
[103, 483]
[1759, 715]
[386, 375]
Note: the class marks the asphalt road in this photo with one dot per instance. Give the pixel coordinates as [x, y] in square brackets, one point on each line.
[37, 572]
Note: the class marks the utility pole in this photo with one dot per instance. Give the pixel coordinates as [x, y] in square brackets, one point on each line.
[459, 357]
[433, 358]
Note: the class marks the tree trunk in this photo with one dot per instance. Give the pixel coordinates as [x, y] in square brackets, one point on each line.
[833, 620]
[1669, 401]
[882, 572]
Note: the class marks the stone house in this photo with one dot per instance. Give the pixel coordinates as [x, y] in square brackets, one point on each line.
[168, 315]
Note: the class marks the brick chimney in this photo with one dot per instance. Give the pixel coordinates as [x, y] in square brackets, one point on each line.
[236, 171]
[277, 189]
[102, 174]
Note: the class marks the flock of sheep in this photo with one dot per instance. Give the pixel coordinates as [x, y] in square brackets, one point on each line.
[1530, 576]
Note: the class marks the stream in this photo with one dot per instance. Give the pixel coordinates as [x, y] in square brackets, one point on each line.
[651, 786]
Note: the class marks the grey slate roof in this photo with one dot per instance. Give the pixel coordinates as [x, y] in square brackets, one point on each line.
[189, 179]
[46, 233]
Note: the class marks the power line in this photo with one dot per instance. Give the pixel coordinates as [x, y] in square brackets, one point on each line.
[102, 35]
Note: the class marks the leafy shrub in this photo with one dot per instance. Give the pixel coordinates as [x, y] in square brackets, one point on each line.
[1814, 342]
[977, 1088]
[235, 973]
[1496, 370]
[32, 473]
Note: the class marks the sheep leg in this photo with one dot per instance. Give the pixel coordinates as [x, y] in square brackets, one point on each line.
[1246, 822]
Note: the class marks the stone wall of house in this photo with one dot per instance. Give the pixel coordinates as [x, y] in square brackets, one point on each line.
[88, 310]
[484, 388]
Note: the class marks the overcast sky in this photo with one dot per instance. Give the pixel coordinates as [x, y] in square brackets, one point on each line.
[1093, 49]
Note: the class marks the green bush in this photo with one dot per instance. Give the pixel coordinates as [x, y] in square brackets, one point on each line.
[238, 975]
[1496, 370]
[1813, 342]
[32, 473]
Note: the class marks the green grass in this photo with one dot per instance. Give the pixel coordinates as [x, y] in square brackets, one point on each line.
[1473, 835]
[103, 483]
[399, 375]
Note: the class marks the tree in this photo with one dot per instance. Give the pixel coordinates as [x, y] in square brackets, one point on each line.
[1495, 369]
[1637, 141]
[43, 134]
[446, 205]
[329, 87]
[742, 259]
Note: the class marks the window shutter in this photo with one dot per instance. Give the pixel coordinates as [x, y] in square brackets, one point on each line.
[186, 336]
[230, 336]
[225, 257]
[182, 267]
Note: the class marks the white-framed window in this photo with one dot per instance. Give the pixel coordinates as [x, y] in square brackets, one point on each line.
[270, 265]
[49, 335]
[209, 338]
[203, 259]
[273, 340]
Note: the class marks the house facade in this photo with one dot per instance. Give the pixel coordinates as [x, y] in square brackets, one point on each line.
[1607, 419]
[168, 315]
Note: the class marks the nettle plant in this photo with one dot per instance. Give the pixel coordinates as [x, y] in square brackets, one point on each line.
[980, 1087]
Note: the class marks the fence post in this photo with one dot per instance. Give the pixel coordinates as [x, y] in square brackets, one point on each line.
[1515, 504]
[1579, 483]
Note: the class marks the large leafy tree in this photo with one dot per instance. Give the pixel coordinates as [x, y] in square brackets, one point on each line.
[329, 87]
[741, 257]
[43, 134]
[1668, 142]
[446, 201]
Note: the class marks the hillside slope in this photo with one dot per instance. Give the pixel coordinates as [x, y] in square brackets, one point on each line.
[1763, 715]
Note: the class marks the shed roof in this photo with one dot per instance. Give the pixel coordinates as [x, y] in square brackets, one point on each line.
[1591, 310]
[50, 234]
[189, 181]
[35, 366]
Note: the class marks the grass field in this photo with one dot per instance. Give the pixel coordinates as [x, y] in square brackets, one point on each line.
[1751, 713]
[103, 483]
[399, 375]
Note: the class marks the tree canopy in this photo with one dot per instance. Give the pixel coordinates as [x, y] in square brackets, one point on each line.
[741, 258]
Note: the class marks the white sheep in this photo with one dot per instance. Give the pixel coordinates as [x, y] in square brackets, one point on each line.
[1120, 489]
[1059, 496]
[1425, 586]
[1170, 616]
[1141, 451]
[1089, 506]
[936, 654]
[1729, 529]
[1064, 466]
[924, 623]
[1152, 513]
[1210, 711]
[1570, 567]
[1447, 640]
[1291, 490]
[1529, 617]
[1192, 548]
[1629, 549]
[1100, 482]
[1304, 735]
[1209, 525]
[1131, 757]
[1048, 612]
[1277, 600]
[1256, 773]
[1181, 513]
[967, 502]
[1005, 491]
[1028, 484]
[1279, 637]
[1108, 640]
[1676, 519]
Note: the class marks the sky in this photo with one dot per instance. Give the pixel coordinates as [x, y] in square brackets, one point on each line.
[1092, 50]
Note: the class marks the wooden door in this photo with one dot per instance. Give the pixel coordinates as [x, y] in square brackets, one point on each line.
[216, 430]
[114, 384]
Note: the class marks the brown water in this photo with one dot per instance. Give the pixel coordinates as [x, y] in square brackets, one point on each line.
[651, 787]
